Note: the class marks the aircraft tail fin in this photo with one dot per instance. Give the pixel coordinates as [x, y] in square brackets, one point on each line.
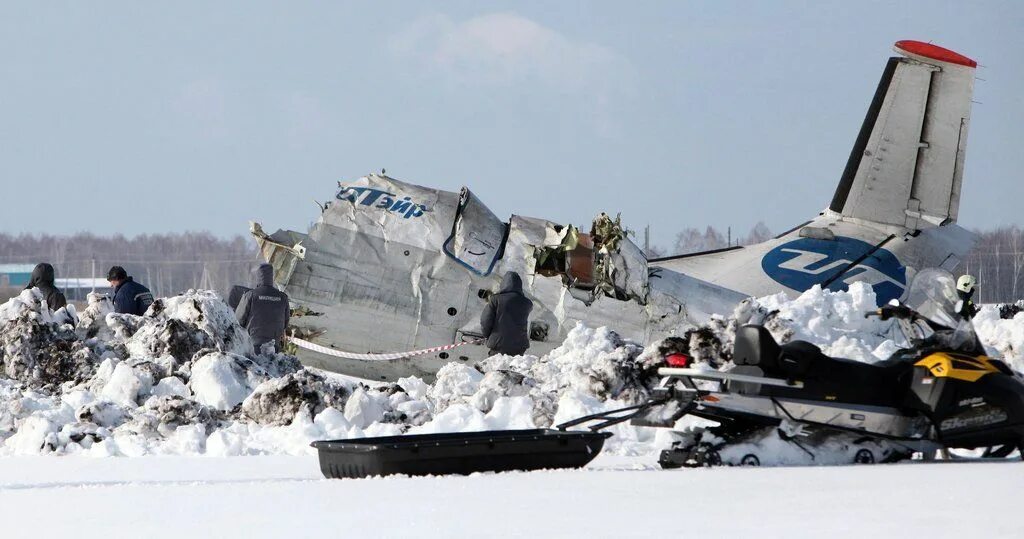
[906, 166]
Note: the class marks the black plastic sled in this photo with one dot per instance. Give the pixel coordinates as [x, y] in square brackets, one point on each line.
[464, 453]
[460, 453]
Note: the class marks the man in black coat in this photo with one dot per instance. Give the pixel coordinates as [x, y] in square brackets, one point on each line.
[130, 297]
[264, 310]
[505, 319]
[43, 278]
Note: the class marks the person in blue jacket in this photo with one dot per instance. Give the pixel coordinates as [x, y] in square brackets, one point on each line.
[130, 297]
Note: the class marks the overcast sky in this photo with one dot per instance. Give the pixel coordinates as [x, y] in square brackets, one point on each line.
[141, 117]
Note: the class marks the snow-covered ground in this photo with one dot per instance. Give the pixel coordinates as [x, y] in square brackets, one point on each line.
[285, 496]
[171, 424]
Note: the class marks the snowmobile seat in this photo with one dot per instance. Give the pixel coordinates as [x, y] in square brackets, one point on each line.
[745, 388]
[755, 346]
[796, 357]
[845, 380]
[755, 352]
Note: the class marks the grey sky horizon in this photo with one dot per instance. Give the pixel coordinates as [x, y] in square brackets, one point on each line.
[132, 118]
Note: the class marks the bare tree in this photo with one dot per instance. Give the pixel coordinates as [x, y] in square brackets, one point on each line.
[998, 263]
[758, 234]
[654, 252]
[692, 240]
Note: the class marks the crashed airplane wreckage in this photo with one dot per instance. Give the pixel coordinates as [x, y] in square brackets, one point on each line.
[392, 266]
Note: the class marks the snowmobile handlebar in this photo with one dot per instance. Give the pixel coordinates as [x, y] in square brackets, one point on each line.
[902, 312]
[886, 312]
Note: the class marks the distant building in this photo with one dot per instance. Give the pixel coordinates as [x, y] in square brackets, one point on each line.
[78, 288]
[16, 275]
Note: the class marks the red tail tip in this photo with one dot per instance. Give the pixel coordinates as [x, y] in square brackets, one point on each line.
[934, 52]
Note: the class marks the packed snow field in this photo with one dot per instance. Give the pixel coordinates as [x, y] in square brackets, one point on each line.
[284, 496]
[184, 379]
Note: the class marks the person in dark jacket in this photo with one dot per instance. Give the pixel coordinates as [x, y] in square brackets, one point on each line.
[43, 278]
[264, 310]
[130, 297]
[505, 319]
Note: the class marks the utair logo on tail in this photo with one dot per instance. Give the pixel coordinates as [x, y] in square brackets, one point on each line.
[835, 264]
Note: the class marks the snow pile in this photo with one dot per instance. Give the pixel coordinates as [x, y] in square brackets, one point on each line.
[1009, 310]
[113, 384]
[834, 321]
[277, 401]
[184, 378]
[1004, 337]
[181, 326]
[36, 349]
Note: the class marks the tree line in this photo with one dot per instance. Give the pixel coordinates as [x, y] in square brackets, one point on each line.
[173, 263]
[997, 260]
[166, 263]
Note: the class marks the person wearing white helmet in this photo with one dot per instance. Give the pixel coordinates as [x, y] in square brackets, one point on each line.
[965, 287]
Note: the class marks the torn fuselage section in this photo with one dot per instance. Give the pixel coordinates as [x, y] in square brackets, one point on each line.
[397, 267]
[283, 250]
[590, 265]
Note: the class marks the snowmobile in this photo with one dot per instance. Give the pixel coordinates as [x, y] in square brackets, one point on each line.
[791, 403]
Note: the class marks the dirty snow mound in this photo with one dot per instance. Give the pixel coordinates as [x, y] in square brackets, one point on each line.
[183, 325]
[37, 350]
[277, 400]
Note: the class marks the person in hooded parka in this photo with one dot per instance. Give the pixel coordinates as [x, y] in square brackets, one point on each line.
[264, 311]
[43, 278]
[505, 318]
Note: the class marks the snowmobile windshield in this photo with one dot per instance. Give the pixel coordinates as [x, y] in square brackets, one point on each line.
[933, 296]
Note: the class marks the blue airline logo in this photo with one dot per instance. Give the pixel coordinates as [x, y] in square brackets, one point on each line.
[803, 263]
[380, 199]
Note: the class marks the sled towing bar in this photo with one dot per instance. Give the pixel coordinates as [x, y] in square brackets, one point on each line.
[672, 372]
[665, 392]
[612, 417]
